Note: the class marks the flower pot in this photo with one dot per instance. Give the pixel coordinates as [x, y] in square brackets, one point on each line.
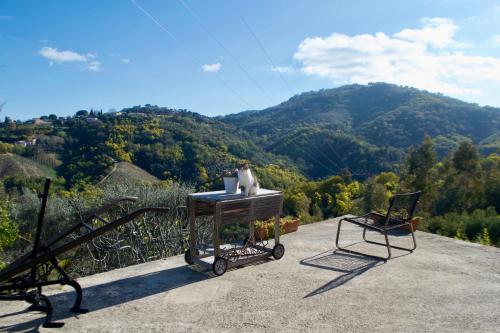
[414, 222]
[261, 233]
[291, 226]
[266, 230]
[231, 184]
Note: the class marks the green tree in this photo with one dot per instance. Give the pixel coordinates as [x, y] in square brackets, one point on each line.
[378, 191]
[82, 113]
[421, 174]
[463, 185]
[466, 159]
[8, 230]
[344, 199]
[460, 234]
[491, 169]
[484, 237]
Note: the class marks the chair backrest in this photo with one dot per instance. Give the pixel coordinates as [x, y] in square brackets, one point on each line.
[401, 207]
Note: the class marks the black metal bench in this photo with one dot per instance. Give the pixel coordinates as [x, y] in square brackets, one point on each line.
[23, 279]
[399, 215]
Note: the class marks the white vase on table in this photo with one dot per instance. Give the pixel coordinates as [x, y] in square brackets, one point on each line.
[231, 184]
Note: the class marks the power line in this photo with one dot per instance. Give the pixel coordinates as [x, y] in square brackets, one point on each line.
[294, 137]
[191, 11]
[266, 54]
[235, 60]
[171, 35]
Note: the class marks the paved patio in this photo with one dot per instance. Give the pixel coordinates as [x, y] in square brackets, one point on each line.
[446, 285]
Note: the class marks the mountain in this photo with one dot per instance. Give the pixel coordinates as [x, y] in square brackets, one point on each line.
[366, 128]
[381, 113]
[167, 143]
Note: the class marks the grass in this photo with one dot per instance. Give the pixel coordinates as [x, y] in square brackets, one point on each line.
[18, 166]
[129, 173]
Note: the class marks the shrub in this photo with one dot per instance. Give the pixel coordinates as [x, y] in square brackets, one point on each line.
[482, 226]
[151, 236]
[8, 231]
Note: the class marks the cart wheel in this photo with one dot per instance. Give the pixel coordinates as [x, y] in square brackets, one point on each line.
[188, 258]
[220, 266]
[278, 251]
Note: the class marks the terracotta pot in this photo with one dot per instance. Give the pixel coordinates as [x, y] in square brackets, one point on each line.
[291, 226]
[286, 228]
[414, 222]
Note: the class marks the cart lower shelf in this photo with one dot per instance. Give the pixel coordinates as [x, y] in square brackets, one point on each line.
[233, 256]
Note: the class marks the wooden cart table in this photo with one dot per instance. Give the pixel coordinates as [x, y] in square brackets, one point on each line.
[229, 209]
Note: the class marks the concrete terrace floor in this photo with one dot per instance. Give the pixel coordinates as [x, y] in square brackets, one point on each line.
[444, 286]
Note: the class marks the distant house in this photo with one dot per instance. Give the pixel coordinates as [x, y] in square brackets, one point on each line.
[26, 143]
[21, 143]
[40, 122]
[115, 113]
[94, 121]
[136, 114]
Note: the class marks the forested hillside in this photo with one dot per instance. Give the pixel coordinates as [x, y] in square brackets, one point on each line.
[362, 129]
[174, 145]
[367, 127]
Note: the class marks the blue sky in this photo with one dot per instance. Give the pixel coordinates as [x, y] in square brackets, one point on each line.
[220, 57]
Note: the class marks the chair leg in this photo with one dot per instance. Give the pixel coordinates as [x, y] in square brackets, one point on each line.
[393, 246]
[360, 253]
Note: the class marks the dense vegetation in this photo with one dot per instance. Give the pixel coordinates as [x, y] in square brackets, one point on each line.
[367, 128]
[332, 152]
[461, 193]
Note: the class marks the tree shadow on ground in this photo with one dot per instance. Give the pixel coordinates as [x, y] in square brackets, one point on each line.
[113, 293]
[350, 264]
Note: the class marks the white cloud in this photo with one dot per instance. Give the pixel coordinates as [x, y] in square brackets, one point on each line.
[55, 56]
[496, 39]
[437, 32]
[61, 56]
[211, 68]
[94, 66]
[126, 61]
[282, 69]
[427, 58]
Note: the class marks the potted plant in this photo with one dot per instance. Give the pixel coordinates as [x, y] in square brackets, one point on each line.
[289, 224]
[265, 229]
[230, 178]
[260, 230]
[414, 222]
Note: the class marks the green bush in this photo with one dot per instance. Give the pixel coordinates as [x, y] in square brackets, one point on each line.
[148, 237]
[481, 226]
[8, 231]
